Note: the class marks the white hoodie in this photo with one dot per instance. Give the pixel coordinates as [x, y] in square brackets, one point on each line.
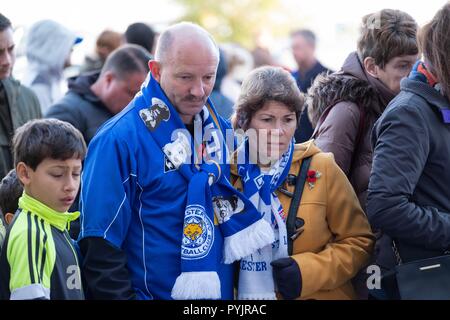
[48, 46]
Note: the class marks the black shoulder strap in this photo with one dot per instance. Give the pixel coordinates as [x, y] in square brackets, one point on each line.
[295, 203]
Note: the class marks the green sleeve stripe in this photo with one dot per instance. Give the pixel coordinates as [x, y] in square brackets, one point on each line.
[37, 253]
[30, 251]
[44, 251]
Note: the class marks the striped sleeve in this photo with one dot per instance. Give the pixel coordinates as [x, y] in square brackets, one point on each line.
[31, 257]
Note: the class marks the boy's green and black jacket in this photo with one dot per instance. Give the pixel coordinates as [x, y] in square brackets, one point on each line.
[38, 259]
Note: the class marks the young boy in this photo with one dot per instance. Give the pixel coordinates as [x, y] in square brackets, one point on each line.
[10, 192]
[38, 260]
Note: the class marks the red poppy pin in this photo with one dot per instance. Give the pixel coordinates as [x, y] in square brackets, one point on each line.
[312, 176]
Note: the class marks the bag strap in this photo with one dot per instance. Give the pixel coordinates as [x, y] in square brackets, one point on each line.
[398, 258]
[295, 202]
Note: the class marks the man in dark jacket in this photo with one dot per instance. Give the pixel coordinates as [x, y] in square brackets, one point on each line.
[95, 97]
[303, 49]
[18, 104]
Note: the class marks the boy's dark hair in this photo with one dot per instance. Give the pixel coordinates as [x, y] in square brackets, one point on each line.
[4, 23]
[10, 192]
[39, 139]
[127, 59]
[387, 34]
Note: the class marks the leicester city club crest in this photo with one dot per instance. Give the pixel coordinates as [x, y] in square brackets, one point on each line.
[198, 233]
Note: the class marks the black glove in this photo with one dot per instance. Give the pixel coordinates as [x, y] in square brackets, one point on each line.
[288, 278]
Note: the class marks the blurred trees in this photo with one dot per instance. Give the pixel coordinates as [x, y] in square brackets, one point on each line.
[247, 22]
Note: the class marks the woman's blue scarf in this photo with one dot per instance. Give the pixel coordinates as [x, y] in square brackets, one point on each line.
[260, 186]
[211, 199]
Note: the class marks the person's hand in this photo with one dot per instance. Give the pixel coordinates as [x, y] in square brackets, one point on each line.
[287, 277]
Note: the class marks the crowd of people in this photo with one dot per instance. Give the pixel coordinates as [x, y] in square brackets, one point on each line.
[147, 179]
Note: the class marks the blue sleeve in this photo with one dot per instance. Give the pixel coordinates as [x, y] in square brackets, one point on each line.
[401, 150]
[107, 189]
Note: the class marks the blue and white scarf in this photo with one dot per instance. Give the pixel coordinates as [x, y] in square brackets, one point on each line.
[255, 275]
[202, 163]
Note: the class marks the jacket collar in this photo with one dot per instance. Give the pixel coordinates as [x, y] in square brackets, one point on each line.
[60, 220]
[431, 95]
[354, 67]
[12, 89]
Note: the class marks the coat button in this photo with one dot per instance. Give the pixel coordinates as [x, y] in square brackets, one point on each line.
[299, 222]
[291, 179]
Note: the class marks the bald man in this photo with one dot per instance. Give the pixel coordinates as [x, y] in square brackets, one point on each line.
[135, 227]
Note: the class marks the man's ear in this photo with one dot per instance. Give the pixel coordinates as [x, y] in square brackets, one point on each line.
[109, 77]
[155, 69]
[23, 173]
[370, 67]
[9, 217]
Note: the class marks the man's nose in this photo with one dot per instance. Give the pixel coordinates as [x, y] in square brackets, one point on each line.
[6, 59]
[197, 89]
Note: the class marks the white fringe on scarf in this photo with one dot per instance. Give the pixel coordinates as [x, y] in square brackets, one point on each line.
[247, 241]
[197, 285]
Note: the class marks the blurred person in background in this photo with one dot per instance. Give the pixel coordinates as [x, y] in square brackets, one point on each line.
[303, 44]
[240, 63]
[48, 49]
[223, 105]
[95, 97]
[18, 104]
[106, 43]
[262, 57]
[141, 34]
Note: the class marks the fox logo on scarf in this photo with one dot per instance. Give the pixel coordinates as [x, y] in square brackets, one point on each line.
[198, 233]
[201, 254]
